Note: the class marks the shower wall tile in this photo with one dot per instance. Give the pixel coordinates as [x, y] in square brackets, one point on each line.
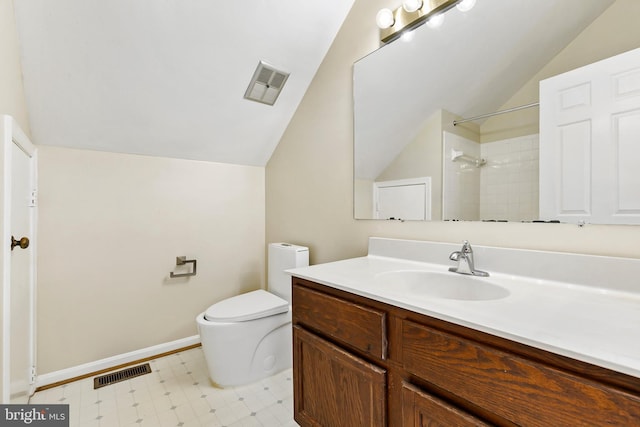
[509, 180]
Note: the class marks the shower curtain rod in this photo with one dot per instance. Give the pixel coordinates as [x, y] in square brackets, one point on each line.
[482, 116]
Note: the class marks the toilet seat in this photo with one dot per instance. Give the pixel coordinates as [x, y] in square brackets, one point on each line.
[244, 307]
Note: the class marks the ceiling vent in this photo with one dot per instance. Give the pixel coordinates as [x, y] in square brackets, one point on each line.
[266, 84]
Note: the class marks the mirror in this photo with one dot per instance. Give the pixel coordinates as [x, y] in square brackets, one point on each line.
[408, 155]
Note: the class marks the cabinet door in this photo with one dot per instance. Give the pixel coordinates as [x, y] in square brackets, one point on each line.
[420, 409]
[332, 387]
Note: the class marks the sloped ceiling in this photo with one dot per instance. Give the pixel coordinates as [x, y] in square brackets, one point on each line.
[167, 77]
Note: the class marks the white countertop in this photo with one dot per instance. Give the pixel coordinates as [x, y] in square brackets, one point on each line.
[599, 325]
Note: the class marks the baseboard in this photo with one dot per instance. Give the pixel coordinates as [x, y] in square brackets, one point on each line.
[104, 365]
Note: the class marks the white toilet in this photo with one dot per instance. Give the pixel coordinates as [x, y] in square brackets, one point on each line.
[248, 337]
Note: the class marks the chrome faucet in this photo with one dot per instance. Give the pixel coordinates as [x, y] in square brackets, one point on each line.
[465, 261]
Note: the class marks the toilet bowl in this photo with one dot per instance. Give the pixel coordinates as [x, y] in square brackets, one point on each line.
[248, 337]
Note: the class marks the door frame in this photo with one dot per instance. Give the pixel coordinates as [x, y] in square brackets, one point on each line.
[12, 134]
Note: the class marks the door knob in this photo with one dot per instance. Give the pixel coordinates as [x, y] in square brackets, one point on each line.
[23, 243]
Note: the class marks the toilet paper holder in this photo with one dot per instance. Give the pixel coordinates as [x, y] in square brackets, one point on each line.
[182, 260]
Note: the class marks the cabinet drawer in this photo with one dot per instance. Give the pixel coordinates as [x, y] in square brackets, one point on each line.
[422, 409]
[358, 326]
[520, 390]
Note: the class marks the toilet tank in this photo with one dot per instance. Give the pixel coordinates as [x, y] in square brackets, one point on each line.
[281, 257]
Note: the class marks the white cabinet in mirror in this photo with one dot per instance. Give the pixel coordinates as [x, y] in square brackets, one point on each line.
[407, 95]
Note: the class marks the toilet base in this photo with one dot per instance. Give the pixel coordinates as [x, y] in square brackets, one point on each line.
[239, 353]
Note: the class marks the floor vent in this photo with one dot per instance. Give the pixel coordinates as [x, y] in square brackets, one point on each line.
[125, 374]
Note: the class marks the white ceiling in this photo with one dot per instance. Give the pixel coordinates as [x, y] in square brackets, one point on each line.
[469, 66]
[167, 77]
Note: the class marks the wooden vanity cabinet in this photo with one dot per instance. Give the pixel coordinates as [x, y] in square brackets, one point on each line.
[359, 362]
[334, 387]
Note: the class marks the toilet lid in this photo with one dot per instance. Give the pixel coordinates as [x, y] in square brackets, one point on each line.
[249, 306]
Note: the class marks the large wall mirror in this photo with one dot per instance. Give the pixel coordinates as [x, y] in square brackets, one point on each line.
[413, 163]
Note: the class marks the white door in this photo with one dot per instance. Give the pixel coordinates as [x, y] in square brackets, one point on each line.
[589, 143]
[406, 199]
[18, 218]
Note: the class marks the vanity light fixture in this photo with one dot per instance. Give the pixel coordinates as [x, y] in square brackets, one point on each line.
[385, 19]
[411, 5]
[414, 13]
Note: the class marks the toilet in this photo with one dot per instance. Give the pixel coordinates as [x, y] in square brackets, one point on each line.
[248, 337]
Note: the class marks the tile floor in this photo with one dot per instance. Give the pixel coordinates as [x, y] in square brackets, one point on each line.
[177, 393]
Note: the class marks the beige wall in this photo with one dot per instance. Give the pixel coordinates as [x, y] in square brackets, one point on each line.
[363, 198]
[615, 31]
[12, 100]
[420, 158]
[310, 176]
[111, 226]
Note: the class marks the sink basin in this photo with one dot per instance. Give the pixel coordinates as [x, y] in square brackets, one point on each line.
[418, 283]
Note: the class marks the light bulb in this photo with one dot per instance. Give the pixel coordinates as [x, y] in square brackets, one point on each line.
[384, 18]
[436, 20]
[466, 5]
[411, 5]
